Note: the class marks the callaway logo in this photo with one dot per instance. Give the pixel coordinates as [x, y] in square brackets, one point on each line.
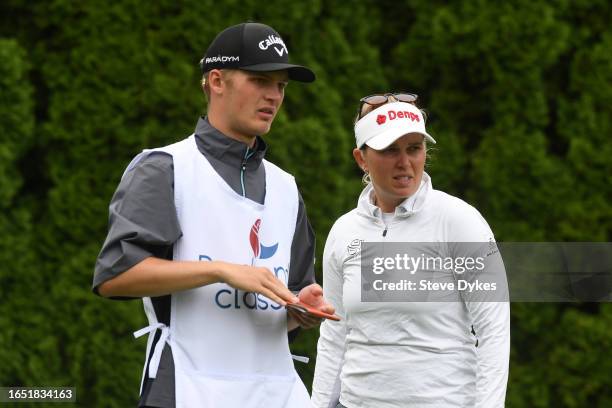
[260, 251]
[271, 40]
[399, 115]
[222, 58]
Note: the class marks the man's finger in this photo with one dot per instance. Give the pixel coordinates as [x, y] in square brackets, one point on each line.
[327, 308]
[299, 317]
[310, 321]
[272, 296]
[316, 290]
[282, 291]
[304, 320]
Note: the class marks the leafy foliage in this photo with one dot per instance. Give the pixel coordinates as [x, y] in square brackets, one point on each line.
[519, 97]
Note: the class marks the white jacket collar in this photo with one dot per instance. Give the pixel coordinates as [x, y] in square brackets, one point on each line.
[406, 208]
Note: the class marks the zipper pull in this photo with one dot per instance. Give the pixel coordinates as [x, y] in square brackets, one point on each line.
[385, 232]
[242, 170]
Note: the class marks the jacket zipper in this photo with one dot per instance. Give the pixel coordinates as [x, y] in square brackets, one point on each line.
[243, 168]
[383, 241]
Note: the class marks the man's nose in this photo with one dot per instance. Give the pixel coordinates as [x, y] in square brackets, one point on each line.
[273, 93]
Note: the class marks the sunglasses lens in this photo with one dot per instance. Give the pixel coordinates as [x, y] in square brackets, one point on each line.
[405, 97]
[375, 99]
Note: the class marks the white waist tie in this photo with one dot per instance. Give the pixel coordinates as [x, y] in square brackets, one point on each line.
[159, 347]
[301, 359]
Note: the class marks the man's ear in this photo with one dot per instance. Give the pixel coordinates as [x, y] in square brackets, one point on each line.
[215, 81]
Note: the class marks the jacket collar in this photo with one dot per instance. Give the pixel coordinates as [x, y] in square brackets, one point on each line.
[211, 142]
[410, 206]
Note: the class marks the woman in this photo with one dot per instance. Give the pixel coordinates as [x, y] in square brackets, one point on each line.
[410, 353]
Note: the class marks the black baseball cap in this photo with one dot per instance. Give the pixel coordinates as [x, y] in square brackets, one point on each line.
[252, 47]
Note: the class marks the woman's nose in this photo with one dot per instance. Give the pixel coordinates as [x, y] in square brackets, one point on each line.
[403, 160]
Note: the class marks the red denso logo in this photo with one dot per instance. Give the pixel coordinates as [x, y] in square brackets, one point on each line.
[398, 115]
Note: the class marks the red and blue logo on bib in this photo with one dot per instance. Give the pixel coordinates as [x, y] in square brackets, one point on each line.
[232, 298]
[260, 251]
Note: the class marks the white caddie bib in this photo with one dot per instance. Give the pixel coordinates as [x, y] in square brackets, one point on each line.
[230, 347]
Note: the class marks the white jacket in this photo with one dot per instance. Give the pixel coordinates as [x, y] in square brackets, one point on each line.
[409, 354]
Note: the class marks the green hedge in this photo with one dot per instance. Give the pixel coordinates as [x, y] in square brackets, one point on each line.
[519, 97]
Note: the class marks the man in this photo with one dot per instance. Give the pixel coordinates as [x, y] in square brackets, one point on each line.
[214, 239]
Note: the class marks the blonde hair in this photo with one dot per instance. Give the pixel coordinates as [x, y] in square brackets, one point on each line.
[204, 85]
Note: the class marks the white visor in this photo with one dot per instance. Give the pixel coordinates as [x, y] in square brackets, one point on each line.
[387, 123]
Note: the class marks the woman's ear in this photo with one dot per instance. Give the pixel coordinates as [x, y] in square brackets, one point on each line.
[359, 154]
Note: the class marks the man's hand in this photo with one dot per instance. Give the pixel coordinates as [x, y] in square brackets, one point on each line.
[313, 296]
[256, 279]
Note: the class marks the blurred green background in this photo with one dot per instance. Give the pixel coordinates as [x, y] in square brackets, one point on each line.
[518, 94]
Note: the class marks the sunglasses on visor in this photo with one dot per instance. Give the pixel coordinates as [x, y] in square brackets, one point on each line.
[371, 102]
